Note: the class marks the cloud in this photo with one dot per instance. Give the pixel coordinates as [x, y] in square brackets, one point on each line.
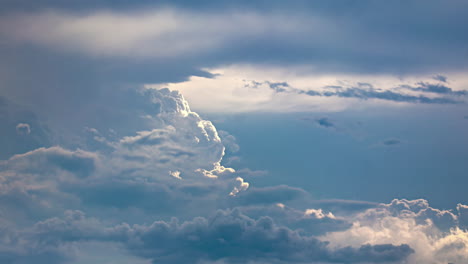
[270, 195]
[391, 142]
[299, 32]
[439, 77]
[387, 95]
[325, 122]
[229, 141]
[437, 88]
[433, 234]
[228, 236]
[169, 163]
[310, 222]
[176, 164]
[160, 33]
[23, 129]
[260, 88]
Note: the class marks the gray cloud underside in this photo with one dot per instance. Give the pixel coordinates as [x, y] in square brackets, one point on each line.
[228, 235]
[390, 36]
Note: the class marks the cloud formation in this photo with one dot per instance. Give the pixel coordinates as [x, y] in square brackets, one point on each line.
[227, 236]
[298, 32]
[112, 187]
[140, 174]
[260, 88]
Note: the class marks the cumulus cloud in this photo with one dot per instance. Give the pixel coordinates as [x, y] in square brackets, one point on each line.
[434, 234]
[153, 169]
[229, 236]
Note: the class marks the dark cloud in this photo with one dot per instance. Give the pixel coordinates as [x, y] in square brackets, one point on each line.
[437, 88]
[398, 30]
[308, 222]
[389, 96]
[278, 87]
[325, 122]
[227, 236]
[391, 142]
[367, 91]
[233, 237]
[440, 77]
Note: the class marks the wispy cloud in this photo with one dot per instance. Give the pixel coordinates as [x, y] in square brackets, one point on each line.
[246, 88]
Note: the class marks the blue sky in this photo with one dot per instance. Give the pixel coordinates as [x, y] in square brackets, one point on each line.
[220, 132]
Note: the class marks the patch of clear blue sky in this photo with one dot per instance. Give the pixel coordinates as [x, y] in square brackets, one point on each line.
[426, 156]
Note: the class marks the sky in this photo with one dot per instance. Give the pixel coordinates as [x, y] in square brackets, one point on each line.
[224, 132]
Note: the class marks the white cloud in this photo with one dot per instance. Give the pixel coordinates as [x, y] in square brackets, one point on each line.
[406, 222]
[260, 88]
[318, 213]
[242, 186]
[154, 33]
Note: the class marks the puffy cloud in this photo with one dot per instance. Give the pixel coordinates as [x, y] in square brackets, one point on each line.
[434, 234]
[228, 236]
[177, 163]
[242, 186]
